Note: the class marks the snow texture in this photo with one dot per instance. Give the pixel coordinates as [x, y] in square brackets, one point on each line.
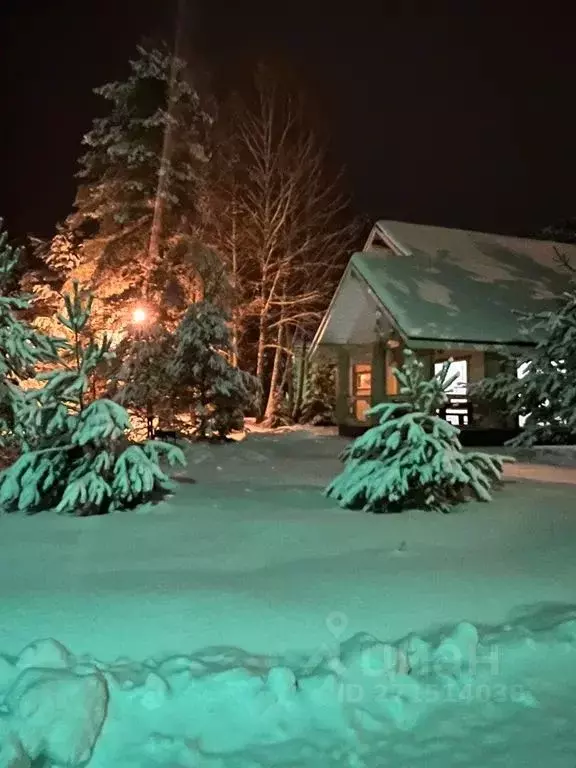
[247, 623]
[553, 455]
[355, 705]
[57, 714]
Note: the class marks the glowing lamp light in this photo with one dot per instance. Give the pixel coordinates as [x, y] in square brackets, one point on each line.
[139, 315]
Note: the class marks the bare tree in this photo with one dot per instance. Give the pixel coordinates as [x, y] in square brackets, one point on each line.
[222, 230]
[283, 226]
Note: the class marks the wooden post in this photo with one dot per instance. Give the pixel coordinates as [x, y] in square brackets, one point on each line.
[378, 374]
[493, 364]
[493, 414]
[342, 385]
[391, 365]
[427, 358]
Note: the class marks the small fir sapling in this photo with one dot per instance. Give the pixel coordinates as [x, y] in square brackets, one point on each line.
[216, 391]
[54, 260]
[22, 347]
[143, 381]
[412, 458]
[319, 403]
[75, 457]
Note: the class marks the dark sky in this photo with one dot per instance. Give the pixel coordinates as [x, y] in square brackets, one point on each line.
[452, 118]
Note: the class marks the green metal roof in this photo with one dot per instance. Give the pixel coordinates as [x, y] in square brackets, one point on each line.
[452, 285]
[444, 288]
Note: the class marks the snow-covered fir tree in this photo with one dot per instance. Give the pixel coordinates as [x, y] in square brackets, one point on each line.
[319, 402]
[22, 347]
[56, 259]
[143, 381]
[125, 150]
[74, 456]
[140, 179]
[61, 253]
[217, 393]
[540, 385]
[412, 458]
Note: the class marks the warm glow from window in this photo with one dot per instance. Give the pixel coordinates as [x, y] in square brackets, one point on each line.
[362, 379]
[360, 408]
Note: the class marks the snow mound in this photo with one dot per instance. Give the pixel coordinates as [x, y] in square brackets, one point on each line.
[553, 455]
[57, 714]
[225, 707]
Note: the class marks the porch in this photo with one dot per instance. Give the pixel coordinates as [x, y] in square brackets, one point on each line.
[365, 378]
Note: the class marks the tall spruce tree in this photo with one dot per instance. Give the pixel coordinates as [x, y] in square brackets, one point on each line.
[140, 177]
[75, 457]
[412, 458]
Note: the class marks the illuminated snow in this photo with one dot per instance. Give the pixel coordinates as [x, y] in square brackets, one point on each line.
[260, 625]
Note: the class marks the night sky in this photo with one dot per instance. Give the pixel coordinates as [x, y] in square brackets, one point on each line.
[440, 118]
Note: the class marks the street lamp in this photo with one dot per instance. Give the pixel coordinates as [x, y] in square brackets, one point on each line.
[139, 316]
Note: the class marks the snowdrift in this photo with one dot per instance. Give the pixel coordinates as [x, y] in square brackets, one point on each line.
[341, 706]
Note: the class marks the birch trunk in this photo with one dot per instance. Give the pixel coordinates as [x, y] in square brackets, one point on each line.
[273, 392]
[300, 382]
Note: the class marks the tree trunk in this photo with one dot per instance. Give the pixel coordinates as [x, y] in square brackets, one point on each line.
[275, 377]
[261, 359]
[287, 383]
[234, 339]
[78, 359]
[300, 381]
[149, 421]
[166, 156]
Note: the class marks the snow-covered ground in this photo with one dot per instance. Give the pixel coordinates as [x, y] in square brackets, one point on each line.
[237, 607]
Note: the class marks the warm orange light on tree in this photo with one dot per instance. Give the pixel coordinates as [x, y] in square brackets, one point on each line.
[139, 315]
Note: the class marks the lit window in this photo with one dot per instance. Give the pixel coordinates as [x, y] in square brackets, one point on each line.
[361, 389]
[362, 379]
[360, 408]
[459, 369]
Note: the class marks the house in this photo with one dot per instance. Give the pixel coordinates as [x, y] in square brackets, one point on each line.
[446, 294]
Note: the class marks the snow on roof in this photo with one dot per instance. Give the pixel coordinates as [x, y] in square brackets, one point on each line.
[455, 285]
